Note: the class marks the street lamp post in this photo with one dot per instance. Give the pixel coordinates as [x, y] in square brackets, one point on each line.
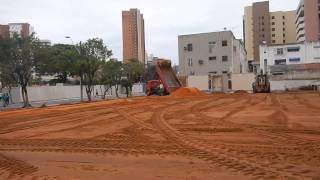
[81, 87]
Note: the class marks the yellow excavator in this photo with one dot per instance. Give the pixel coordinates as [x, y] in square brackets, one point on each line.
[261, 84]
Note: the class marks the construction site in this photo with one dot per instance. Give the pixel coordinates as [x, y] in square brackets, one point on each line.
[186, 135]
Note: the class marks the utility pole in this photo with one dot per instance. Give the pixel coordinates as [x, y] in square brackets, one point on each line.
[81, 76]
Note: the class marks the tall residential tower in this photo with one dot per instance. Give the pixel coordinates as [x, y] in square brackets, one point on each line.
[133, 36]
[308, 20]
[260, 26]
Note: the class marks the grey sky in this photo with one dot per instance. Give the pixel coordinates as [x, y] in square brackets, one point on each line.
[164, 19]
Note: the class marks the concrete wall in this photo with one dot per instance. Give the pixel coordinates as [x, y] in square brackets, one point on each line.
[290, 84]
[242, 81]
[45, 93]
[200, 82]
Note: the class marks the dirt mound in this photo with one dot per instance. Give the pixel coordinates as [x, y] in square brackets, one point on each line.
[186, 91]
[241, 92]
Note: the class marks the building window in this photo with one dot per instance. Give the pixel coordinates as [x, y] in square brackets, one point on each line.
[189, 47]
[273, 17]
[273, 23]
[224, 72]
[230, 84]
[284, 41]
[280, 61]
[273, 35]
[273, 29]
[284, 35]
[213, 72]
[212, 58]
[279, 51]
[200, 61]
[294, 59]
[262, 17]
[262, 23]
[224, 43]
[284, 29]
[283, 17]
[293, 49]
[283, 23]
[265, 64]
[224, 58]
[190, 63]
[273, 41]
[212, 44]
[262, 29]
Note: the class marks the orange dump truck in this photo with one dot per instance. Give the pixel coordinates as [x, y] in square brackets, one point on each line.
[165, 81]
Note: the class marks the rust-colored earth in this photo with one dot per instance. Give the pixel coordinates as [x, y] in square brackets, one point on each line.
[219, 136]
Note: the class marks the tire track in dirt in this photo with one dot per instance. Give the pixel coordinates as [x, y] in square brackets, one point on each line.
[214, 154]
[15, 167]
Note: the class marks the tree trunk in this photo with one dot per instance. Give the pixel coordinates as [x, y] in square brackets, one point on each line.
[81, 88]
[89, 91]
[26, 103]
[10, 88]
[127, 91]
[22, 94]
[130, 90]
[117, 88]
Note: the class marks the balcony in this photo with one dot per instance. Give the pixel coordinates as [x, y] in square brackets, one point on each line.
[299, 20]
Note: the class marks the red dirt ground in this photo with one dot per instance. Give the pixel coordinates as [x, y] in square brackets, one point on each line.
[219, 136]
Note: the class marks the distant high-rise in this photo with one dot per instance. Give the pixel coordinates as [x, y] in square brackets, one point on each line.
[308, 20]
[4, 31]
[22, 29]
[133, 36]
[260, 26]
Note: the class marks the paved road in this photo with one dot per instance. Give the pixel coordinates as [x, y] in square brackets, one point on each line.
[57, 102]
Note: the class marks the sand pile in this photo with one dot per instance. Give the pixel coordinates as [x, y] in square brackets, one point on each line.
[186, 91]
[241, 92]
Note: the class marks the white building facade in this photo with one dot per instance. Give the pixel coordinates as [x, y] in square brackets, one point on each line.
[289, 54]
[211, 53]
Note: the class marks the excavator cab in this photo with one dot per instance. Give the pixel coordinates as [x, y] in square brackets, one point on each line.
[261, 84]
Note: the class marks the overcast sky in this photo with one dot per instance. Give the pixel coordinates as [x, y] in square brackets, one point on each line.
[164, 19]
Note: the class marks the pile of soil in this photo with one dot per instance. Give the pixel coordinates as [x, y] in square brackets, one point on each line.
[241, 92]
[186, 91]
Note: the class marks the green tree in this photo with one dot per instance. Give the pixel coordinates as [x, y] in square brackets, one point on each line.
[132, 73]
[110, 75]
[17, 61]
[58, 60]
[92, 55]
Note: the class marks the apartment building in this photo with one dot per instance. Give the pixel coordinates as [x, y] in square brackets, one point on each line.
[22, 29]
[133, 35]
[4, 31]
[213, 53]
[289, 54]
[308, 20]
[282, 27]
[260, 26]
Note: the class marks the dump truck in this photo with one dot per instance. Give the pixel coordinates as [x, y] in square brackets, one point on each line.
[261, 84]
[162, 80]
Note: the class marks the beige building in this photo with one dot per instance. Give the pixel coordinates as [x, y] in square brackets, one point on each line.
[308, 20]
[133, 35]
[260, 26]
[283, 27]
